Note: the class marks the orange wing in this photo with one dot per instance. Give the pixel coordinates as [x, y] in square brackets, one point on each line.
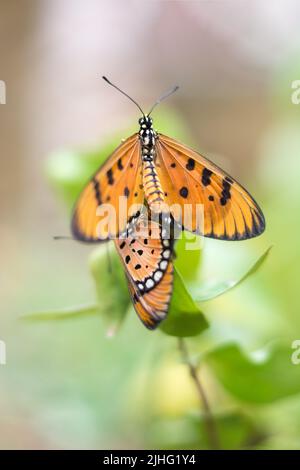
[152, 307]
[147, 259]
[230, 213]
[99, 213]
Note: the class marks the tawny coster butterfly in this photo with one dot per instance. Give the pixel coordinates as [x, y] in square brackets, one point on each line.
[147, 259]
[151, 167]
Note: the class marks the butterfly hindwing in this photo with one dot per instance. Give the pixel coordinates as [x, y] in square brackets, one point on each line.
[147, 259]
[188, 178]
[119, 176]
[152, 307]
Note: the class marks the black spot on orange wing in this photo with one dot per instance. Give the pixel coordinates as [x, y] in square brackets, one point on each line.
[206, 174]
[184, 192]
[225, 194]
[97, 191]
[190, 164]
[127, 259]
[120, 165]
[110, 177]
[126, 192]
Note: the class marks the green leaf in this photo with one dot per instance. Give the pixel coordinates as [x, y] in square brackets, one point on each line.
[262, 377]
[67, 313]
[211, 292]
[111, 286]
[188, 260]
[184, 317]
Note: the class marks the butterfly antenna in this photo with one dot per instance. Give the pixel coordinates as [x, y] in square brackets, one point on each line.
[123, 92]
[163, 97]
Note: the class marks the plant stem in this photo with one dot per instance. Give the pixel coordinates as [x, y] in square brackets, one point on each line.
[209, 423]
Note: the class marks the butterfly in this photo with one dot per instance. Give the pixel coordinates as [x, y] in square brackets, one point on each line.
[147, 260]
[152, 167]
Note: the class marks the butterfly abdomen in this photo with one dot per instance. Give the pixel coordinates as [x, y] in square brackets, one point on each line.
[151, 183]
[152, 187]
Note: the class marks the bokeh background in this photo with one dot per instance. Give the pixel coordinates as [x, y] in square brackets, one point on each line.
[66, 384]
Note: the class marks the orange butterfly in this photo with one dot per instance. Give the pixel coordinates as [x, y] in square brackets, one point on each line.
[152, 167]
[147, 260]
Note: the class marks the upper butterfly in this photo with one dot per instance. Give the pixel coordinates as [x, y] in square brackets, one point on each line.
[153, 168]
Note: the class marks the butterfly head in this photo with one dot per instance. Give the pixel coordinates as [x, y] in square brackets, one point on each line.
[145, 122]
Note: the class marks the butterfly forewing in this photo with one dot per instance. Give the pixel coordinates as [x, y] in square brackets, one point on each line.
[114, 194]
[147, 259]
[188, 179]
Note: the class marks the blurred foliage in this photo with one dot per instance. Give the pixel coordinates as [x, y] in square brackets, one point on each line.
[184, 317]
[242, 384]
[213, 290]
[264, 377]
[111, 289]
[235, 431]
[188, 262]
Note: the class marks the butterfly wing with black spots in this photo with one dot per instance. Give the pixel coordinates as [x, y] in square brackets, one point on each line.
[147, 259]
[188, 179]
[113, 195]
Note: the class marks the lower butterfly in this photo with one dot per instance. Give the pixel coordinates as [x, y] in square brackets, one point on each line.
[147, 259]
[151, 167]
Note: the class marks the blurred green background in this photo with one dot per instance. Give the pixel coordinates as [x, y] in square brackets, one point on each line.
[68, 383]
